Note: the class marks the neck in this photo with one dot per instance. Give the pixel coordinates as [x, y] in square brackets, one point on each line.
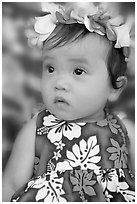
[91, 118]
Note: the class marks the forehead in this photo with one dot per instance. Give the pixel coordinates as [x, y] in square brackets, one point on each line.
[93, 46]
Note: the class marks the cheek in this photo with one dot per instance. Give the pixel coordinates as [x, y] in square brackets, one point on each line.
[93, 91]
[45, 88]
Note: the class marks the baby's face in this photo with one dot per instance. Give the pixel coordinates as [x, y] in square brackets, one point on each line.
[75, 81]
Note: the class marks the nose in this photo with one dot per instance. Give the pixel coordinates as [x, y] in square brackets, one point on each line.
[62, 84]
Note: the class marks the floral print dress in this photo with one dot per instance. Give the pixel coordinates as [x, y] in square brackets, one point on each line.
[78, 162]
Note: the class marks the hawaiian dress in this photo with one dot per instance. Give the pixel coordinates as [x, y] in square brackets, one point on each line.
[78, 162]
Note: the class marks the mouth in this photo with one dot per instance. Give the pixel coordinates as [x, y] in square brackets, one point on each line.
[60, 100]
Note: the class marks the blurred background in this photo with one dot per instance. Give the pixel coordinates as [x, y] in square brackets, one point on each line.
[22, 66]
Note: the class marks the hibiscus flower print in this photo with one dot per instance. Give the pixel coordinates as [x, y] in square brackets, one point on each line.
[49, 187]
[108, 179]
[84, 155]
[124, 188]
[59, 145]
[59, 128]
[111, 121]
[57, 155]
[118, 154]
[83, 182]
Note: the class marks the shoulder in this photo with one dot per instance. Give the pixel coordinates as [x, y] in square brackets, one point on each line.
[27, 132]
[20, 164]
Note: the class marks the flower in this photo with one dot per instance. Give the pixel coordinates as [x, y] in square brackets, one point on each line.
[49, 187]
[108, 196]
[57, 155]
[108, 179]
[95, 19]
[59, 145]
[59, 128]
[39, 29]
[83, 155]
[124, 188]
[112, 122]
[118, 154]
[82, 181]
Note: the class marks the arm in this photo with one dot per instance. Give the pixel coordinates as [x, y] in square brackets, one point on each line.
[19, 168]
[131, 134]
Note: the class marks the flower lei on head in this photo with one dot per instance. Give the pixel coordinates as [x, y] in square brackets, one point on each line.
[93, 17]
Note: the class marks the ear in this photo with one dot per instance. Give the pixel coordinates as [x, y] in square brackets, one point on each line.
[115, 93]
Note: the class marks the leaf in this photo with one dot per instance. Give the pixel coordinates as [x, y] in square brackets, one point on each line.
[92, 140]
[94, 159]
[113, 129]
[115, 143]
[96, 150]
[123, 185]
[70, 155]
[89, 175]
[75, 149]
[63, 166]
[111, 149]
[83, 144]
[76, 188]
[113, 157]
[42, 193]
[74, 180]
[89, 190]
[82, 158]
[102, 123]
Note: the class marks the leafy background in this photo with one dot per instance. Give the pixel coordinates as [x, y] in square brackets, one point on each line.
[21, 71]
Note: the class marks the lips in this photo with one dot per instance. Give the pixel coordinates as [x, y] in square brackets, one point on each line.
[60, 100]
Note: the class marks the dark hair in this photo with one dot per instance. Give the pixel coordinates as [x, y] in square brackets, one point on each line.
[67, 33]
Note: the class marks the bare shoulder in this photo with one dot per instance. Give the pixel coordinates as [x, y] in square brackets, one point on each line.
[20, 165]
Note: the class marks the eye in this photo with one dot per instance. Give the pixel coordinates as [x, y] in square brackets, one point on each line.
[79, 71]
[50, 69]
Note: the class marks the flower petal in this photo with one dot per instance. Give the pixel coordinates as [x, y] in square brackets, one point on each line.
[54, 137]
[75, 132]
[94, 159]
[33, 41]
[49, 7]
[76, 17]
[123, 37]
[92, 140]
[63, 166]
[49, 120]
[110, 33]
[44, 25]
[95, 150]
[83, 146]
[76, 150]
[42, 193]
[117, 21]
[91, 166]
[30, 33]
[70, 155]
[88, 24]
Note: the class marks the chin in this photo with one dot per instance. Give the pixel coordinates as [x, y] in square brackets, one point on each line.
[64, 116]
